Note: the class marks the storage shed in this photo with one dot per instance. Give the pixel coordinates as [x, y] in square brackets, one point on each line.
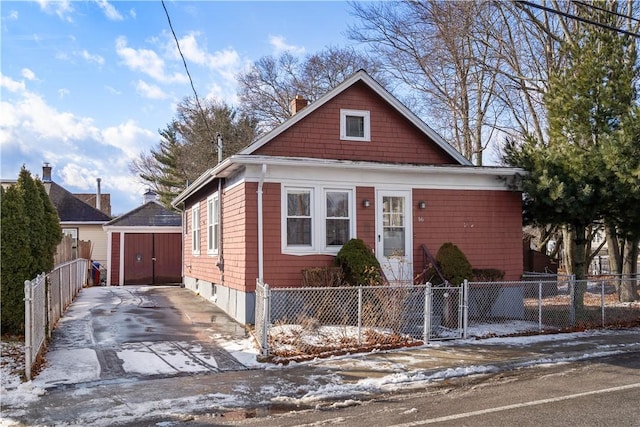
[145, 246]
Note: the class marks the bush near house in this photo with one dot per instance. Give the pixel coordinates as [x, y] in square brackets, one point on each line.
[487, 275]
[359, 265]
[452, 263]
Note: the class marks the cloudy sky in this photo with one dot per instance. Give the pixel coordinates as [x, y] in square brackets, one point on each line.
[86, 85]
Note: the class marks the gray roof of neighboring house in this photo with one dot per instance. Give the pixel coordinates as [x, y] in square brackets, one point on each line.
[72, 209]
[151, 214]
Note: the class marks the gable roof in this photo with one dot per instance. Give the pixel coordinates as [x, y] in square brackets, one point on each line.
[72, 209]
[248, 155]
[360, 76]
[151, 214]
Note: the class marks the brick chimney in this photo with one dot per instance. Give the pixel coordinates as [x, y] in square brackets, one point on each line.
[297, 104]
[46, 172]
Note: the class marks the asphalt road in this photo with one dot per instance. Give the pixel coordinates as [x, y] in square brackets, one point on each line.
[597, 392]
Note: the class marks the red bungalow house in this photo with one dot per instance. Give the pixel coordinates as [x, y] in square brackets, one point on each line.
[354, 163]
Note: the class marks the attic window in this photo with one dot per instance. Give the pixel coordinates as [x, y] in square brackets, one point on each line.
[355, 125]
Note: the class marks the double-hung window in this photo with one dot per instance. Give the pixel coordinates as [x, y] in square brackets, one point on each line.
[213, 224]
[299, 217]
[355, 125]
[316, 220]
[195, 229]
[337, 218]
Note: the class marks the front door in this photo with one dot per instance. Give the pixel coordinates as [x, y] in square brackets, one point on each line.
[394, 235]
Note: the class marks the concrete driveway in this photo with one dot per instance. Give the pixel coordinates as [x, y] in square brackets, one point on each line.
[110, 333]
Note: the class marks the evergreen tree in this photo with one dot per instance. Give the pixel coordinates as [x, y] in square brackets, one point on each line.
[167, 178]
[36, 239]
[621, 155]
[188, 146]
[16, 259]
[30, 235]
[51, 226]
[589, 99]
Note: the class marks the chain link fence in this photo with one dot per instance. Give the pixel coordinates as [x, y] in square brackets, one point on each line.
[548, 303]
[46, 299]
[313, 321]
[291, 322]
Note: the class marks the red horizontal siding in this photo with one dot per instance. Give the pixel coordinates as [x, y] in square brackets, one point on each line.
[393, 138]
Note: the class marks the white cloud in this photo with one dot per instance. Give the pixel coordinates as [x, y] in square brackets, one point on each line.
[193, 52]
[146, 61]
[61, 8]
[78, 176]
[32, 132]
[28, 74]
[150, 91]
[109, 10]
[90, 58]
[279, 46]
[63, 92]
[44, 122]
[129, 138]
[13, 15]
[10, 84]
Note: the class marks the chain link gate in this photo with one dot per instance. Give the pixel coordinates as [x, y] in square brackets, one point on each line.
[448, 307]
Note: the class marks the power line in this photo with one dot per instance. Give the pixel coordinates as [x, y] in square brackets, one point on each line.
[611, 12]
[204, 118]
[578, 18]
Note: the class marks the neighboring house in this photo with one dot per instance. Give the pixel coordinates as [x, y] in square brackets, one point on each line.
[78, 219]
[145, 245]
[356, 163]
[100, 201]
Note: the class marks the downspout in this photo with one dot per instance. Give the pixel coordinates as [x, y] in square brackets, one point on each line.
[260, 225]
[220, 251]
[220, 264]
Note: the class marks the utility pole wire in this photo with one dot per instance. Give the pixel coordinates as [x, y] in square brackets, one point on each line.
[587, 21]
[204, 117]
[611, 12]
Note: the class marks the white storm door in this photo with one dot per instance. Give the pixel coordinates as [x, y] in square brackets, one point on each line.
[394, 235]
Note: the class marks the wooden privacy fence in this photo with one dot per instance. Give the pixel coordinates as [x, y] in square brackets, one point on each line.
[66, 252]
[46, 299]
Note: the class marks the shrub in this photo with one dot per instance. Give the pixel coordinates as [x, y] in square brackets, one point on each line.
[322, 277]
[487, 275]
[452, 263]
[359, 265]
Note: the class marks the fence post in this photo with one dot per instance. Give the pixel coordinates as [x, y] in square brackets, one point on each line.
[539, 307]
[266, 315]
[465, 307]
[28, 324]
[427, 313]
[572, 293]
[602, 300]
[359, 314]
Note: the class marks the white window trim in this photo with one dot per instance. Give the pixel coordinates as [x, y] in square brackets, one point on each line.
[195, 229]
[213, 206]
[334, 249]
[343, 124]
[297, 249]
[318, 220]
